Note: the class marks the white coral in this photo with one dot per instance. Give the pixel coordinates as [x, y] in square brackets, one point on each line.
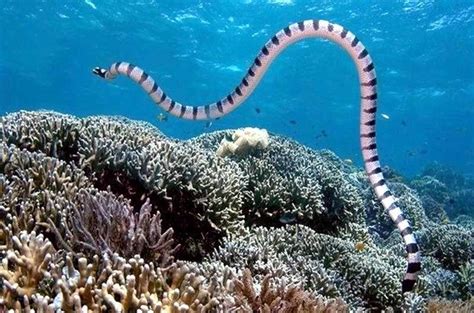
[244, 140]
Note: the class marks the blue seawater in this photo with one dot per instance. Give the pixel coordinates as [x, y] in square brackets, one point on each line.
[199, 50]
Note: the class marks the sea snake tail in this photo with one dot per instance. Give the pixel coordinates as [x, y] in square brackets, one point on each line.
[368, 83]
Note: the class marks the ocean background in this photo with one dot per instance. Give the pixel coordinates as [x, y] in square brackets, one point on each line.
[199, 50]
[109, 214]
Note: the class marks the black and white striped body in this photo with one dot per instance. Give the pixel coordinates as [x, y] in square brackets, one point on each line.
[284, 38]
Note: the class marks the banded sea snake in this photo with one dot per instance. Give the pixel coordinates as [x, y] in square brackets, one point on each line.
[285, 37]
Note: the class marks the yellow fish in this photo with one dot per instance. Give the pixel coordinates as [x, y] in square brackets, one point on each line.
[359, 246]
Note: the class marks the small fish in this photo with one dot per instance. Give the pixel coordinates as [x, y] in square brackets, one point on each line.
[287, 218]
[162, 117]
[404, 123]
[348, 161]
[208, 124]
[359, 246]
[321, 134]
[257, 110]
[293, 122]
[385, 116]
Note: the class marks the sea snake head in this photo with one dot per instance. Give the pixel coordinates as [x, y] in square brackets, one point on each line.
[99, 72]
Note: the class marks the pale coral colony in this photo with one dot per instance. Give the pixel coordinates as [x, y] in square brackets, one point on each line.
[104, 214]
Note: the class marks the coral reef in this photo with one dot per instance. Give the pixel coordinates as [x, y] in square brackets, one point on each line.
[284, 298]
[409, 202]
[25, 265]
[198, 194]
[438, 306]
[451, 190]
[101, 284]
[279, 182]
[110, 215]
[450, 244]
[326, 265]
[101, 223]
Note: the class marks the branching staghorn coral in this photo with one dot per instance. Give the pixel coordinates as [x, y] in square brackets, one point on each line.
[36, 191]
[280, 298]
[34, 276]
[46, 194]
[366, 279]
[289, 178]
[450, 244]
[24, 266]
[35, 172]
[174, 173]
[135, 160]
[111, 284]
[102, 223]
[103, 137]
[52, 133]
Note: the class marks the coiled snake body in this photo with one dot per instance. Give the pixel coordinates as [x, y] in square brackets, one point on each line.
[368, 83]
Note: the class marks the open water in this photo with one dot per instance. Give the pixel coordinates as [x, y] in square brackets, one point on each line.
[199, 50]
